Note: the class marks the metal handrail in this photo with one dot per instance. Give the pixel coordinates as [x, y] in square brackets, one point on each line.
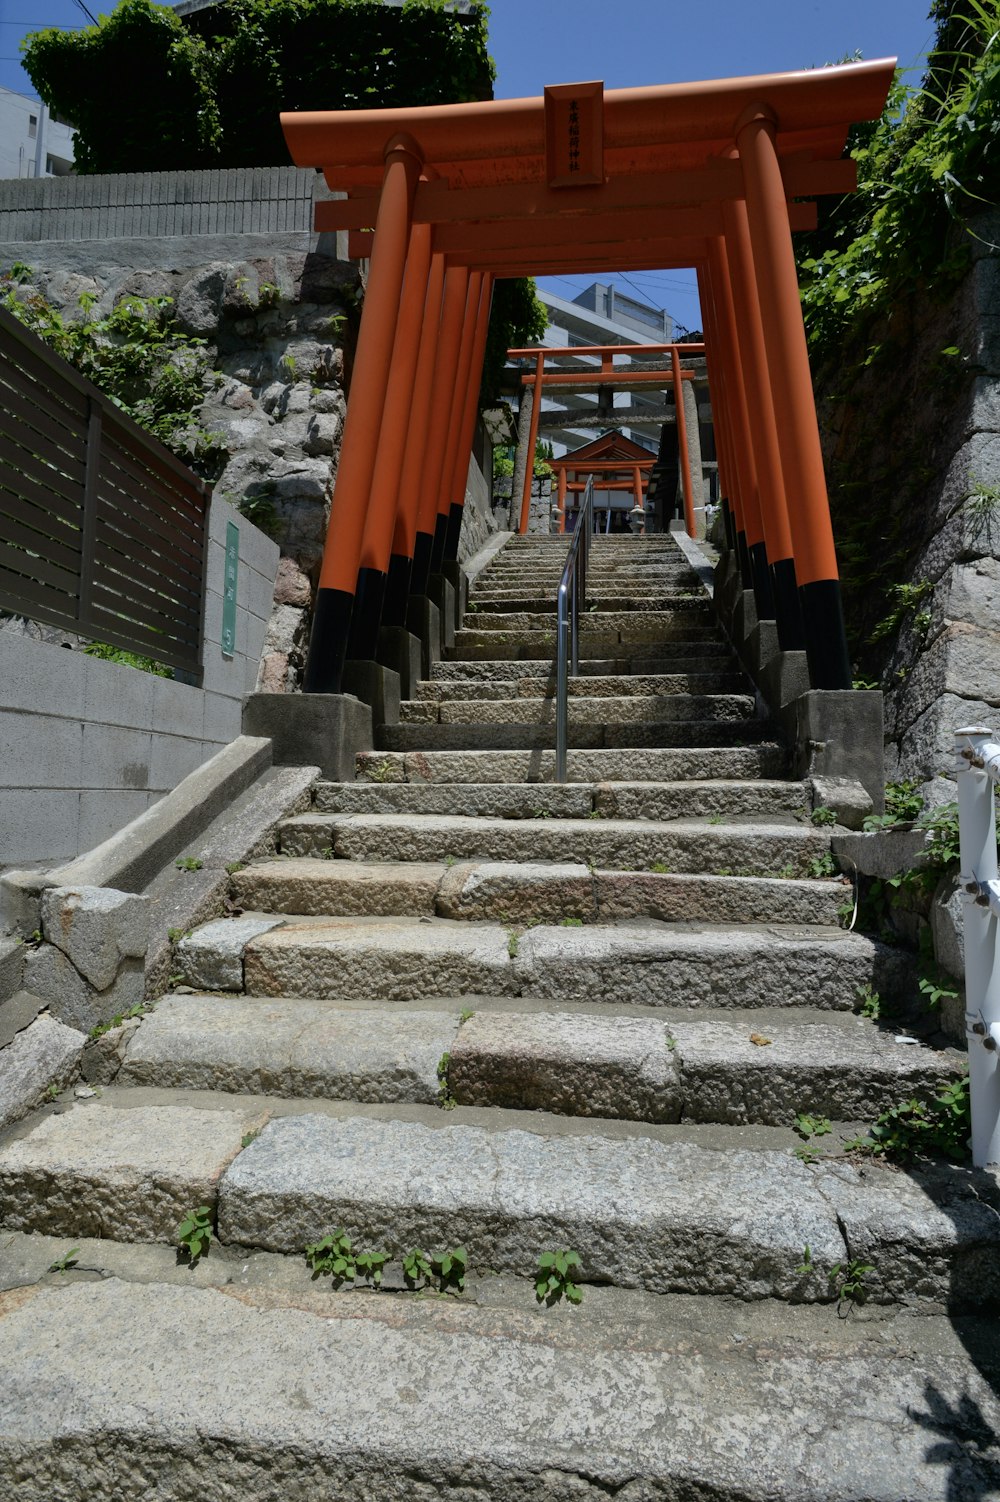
[572, 590]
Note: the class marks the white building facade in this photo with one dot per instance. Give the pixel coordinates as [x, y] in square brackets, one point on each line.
[32, 142]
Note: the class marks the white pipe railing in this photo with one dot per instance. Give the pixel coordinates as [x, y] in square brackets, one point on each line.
[572, 594]
[977, 755]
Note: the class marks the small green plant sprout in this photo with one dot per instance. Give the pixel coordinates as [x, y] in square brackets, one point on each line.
[936, 989]
[64, 1264]
[595, 813]
[446, 1100]
[917, 1128]
[194, 1234]
[715, 818]
[52, 1090]
[139, 1010]
[982, 508]
[658, 868]
[864, 683]
[570, 922]
[554, 1279]
[847, 1279]
[465, 1014]
[380, 773]
[869, 1003]
[823, 815]
[176, 934]
[512, 945]
[450, 860]
[333, 1255]
[541, 813]
[807, 1265]
[787, 873]
[250, 1136]
[811, 1126]
[233, 866]
[370, 1266]
[450, 1267]
[821, 866]
[189, 863]
[416, 1267]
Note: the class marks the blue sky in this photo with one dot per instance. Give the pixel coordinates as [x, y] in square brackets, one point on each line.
[626, 43]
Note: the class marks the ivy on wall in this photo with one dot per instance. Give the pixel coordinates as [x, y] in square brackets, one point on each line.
[924, 170]
[136, 355]
[209, 94]
[877, 279]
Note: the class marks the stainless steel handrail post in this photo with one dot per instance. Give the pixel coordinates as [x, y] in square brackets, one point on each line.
[571, 597]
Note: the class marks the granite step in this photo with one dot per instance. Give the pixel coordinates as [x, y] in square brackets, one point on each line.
[514, 685]
[641, 962]
[850, 1414]
[527, 892]
[532, 800]
[582, 736]
[678, 657]
[582, 709]
[577, 1062]
[663, 764]
[598, 600]
[650, 1208]
[640, 623]
[751, 847]
[508, 642]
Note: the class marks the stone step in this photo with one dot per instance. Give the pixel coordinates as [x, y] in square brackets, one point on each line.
[527, 892]
[513, 643]
[579, 1062]
[642, 962]
[513, 1400]
[582, 709]
[667, 1216]
[582, 736]
[650, 599]
[508, 583]
[536, 686]
[664, 764]
[532, 800]
[640, 624]
[750, 847]
[676, 657]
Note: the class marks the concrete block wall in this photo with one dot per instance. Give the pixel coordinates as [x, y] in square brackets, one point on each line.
[87, 745]
[219, 201]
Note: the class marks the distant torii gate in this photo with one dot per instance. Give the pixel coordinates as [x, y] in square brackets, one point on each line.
[699, 174]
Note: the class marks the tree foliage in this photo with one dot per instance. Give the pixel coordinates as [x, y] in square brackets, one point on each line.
[186, 98]
[518, 317]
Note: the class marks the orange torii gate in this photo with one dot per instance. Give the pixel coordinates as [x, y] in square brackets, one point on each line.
[608, 375]
[701, 174]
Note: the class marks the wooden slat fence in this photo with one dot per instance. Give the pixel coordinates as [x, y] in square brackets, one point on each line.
[102, 529]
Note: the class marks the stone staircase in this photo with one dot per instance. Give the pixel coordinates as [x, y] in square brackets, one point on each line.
[460, 1005]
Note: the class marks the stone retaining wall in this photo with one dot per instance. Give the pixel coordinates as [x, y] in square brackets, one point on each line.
[923, 456]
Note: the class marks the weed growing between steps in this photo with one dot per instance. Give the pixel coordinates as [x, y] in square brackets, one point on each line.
[334, 1256]
[194, 1234]
[846, 1279]
[139, 1010]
